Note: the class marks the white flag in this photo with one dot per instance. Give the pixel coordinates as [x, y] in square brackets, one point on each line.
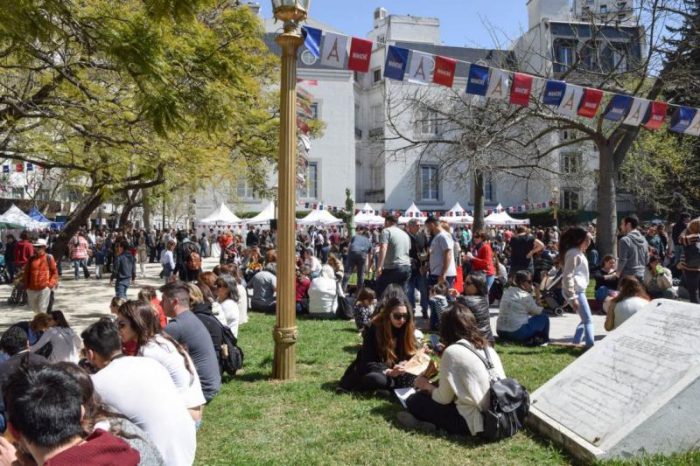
[569, 103]
[637, 112]
[334, 52]
[538, 85]
[499, 84]
[421, 68]
[694, 128]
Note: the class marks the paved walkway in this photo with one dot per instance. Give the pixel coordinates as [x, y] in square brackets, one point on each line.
[85, 301]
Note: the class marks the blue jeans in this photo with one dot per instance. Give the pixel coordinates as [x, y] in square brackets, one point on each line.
[120, 288]
[536, 327]
[489, 281]
[602, 293]
[357, 262]
[399, 276]
[417, 282]
[77, 264]
[586, 326]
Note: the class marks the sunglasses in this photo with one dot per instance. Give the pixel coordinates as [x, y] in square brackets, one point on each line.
[400, 315]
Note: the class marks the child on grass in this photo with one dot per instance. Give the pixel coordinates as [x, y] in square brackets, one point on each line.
[364, 308]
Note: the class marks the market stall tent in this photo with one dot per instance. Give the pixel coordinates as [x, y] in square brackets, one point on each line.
[457, 216]
[501, 217]
[15, 216]
[413, 212]
[221, 216]
[319, 217]
[265, 215]
[368, 217]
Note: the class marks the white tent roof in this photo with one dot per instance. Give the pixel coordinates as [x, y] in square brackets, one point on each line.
[457, 216]
[413, 212]
[367, 209]
[14, 215]
[319, 217]
[501, 217]
[367, 219]
[265, 215]
[222, 215]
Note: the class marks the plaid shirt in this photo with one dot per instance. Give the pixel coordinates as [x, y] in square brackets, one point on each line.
[79, 250]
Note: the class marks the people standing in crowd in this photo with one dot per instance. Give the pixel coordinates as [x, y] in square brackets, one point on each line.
[442, 268]
[141, 252]
[264, 285]
[204, 245]
[419, 255]
[633, 251]
[59, 342]
[475, 298]
[10, 245]
[40, 277]
[483, 261]
[167, 260]
[678, 228]
[78, 252]
[523, 247]
[575, 277]
[123, 269]
[252, 239]
[189, 331]
[689, 262]
[358, 251]
[455, 404]
[520, 318]
[394, 264]
[605, 278]
[631, 299]
[23, 251]
[142, 390]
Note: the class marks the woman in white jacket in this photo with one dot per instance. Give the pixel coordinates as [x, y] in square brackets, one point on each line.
[573, 244]
[65, 343]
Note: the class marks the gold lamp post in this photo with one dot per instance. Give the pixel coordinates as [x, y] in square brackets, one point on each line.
[291, 13]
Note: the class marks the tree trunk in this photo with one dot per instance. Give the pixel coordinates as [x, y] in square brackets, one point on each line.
[478, 201]
[124, 216]
[77, 220]
[146, 210]
[606, 236]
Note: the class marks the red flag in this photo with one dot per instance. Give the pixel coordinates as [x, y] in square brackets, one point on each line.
[657, 115]
[521, 89]
[590, 102]
[360, 55]
[444, 71]
[20, 167]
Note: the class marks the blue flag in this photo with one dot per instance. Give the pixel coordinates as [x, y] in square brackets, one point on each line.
[618, 107]
[478, 82]
[6, 169]
[553, 92]
[312, 40]
[396, 61]
[682, 119]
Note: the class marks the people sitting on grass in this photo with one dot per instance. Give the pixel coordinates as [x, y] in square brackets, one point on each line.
[631, 299]
[142, 390]
[59, 342]
[301, 289]
[227, 297]
[364, 308]
[35, 328]
[45, 412]
[437, 302]
[475, 298]
[520, 318]
[689, 262]
[455, 404]
[606, 279]
[658, 280]
[136, 322]
[323, 293]
[387, 344]
[264, 285]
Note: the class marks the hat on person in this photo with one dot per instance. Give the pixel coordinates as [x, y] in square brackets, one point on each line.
[40, 243]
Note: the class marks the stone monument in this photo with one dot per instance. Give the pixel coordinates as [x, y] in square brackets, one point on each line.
[635, 392]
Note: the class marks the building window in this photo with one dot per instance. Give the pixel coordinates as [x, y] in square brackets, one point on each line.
[315, 110]
[427, 121]
[377, 116]
[489, 189]
[309, 189]
[615, 58]
[18, 193]
[564, 54]
[377, 75]
[243, 189]
[570, 199]
[429, 183]
[604, 9]
[571, 163]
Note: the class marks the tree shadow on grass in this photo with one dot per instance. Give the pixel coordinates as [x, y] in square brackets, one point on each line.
[249, 377]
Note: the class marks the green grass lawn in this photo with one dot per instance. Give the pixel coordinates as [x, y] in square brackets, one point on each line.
[258, 421]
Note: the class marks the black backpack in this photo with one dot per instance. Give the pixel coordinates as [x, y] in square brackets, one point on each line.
[508, 407]
[228, 354]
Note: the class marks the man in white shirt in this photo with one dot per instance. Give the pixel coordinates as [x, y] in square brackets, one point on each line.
[141, 389]
[442, 261]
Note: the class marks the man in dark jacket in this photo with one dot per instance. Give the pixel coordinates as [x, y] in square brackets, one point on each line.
[633, 251]
[123, 270]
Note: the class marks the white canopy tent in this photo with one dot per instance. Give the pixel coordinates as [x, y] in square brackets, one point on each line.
[15, 216]
[319, 217]
[413, 212]
[457, 216]
[501, 217]
[368, 217]
[221, 216]
[265, 215]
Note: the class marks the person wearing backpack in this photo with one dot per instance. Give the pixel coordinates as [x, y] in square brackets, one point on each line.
[457, 402]
[40, 277]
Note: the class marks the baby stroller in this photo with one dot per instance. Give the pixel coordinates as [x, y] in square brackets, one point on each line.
[19, 292]
[4, 275]
[551, 296]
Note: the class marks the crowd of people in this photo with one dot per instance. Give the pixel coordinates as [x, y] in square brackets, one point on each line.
[134, 385]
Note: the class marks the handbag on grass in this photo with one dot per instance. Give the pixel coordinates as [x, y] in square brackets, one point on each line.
[508, 406]
[344, 309]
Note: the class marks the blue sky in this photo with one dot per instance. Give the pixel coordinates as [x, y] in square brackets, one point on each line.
[470, 23]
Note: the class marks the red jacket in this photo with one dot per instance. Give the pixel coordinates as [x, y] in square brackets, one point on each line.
[484, 260]
[40, 272]
[23, 252]
[100, 448]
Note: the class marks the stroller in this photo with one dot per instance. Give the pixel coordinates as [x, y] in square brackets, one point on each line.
[19, 292]
[4, 275]
[550, 293]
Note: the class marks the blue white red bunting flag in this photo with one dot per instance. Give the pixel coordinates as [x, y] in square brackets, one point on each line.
[445, 69]
[521, 89]
[421, 68]
[682, 120]
[360, 55]
[570, 101]
[478, 80]
[637, 112]
[334, 52]
[312, 40]
[30, 166]
[656, 115]
[499, 84]
[694, 128]
[590, 102]
[6, 169]
[553, 92]
[396, 61]
[618, 107]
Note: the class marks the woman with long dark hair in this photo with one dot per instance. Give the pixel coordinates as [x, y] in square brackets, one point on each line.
[631, 298]
[137, 322]
[575, 277]
[65, 343]
[455, 404]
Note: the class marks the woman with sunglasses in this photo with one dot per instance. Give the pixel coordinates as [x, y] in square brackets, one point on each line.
[520, 318]
[475, 298]
[387, 344]
[455, 404]
[137, 322]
